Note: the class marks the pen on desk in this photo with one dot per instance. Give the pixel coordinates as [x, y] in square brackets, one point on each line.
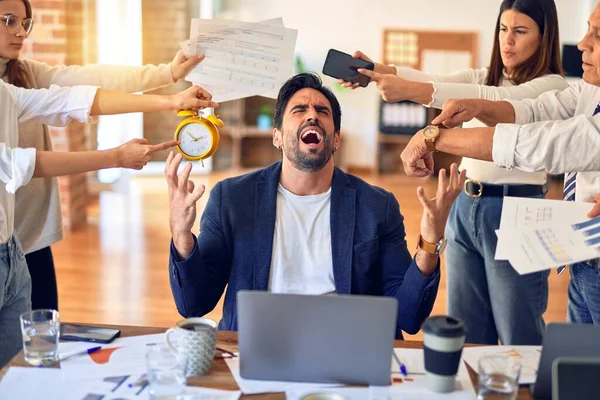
[79, 352]
[400, 364]
[64, 356]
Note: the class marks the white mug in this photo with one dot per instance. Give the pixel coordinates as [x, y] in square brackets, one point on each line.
[197, 337]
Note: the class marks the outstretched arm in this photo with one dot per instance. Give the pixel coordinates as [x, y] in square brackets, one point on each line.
[133, 154]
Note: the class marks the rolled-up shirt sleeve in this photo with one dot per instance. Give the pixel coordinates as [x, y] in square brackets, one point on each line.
[55, 105]
[16, 166]
[553, 146]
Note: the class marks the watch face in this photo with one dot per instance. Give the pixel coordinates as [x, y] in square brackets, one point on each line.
[195, 139]
[430, 132]
[442, 245]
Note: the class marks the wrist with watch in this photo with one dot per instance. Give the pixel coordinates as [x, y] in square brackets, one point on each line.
[430, 134]
[436, 248]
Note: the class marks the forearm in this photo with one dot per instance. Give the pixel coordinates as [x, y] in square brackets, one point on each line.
[109, 102]
[495, 112]
[426, 262]
[419, 92]
[184, 243]
[50, 163]
[473, 142]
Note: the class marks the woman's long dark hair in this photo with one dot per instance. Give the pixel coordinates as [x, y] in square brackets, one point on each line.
[546, 59]
[14, 69]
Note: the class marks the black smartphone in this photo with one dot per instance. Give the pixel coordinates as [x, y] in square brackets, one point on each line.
[86, 333]
[343, 66]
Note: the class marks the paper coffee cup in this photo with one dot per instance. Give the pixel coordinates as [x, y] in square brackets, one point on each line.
[443, 342]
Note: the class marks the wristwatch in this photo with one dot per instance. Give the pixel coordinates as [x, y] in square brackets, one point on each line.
[432, 248]
[430, 135]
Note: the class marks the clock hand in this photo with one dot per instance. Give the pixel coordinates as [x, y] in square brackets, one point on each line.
[194, 138]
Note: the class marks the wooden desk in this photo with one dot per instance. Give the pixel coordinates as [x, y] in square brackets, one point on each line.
[219, 376]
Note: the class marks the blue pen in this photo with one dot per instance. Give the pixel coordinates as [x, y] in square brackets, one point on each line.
[400, 364]
[64, 356]
[79, 352]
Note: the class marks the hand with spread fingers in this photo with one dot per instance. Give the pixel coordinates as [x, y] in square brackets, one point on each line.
[436, 210]
[182, 65]
[193, 98]
[378, 67]
[458, 111]
[183, 196]
[416, 158]
[136, 153]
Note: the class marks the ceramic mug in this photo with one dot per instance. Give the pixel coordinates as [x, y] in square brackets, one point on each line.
[196, 337]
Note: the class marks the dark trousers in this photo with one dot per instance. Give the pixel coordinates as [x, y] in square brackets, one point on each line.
[44, 290]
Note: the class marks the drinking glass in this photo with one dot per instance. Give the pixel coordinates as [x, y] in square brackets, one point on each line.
[41, 330]
[498, 377]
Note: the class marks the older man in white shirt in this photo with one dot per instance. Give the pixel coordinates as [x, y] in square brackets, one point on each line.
[558, 132]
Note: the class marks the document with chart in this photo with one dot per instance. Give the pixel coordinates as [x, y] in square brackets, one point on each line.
[520, 212]
[243, 57]
[540, 248]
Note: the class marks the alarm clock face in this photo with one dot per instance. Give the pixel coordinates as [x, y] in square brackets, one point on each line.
[195, 139]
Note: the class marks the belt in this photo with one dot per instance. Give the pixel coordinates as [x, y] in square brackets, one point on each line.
[477, 189]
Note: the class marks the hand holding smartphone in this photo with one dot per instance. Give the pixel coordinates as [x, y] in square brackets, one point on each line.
[343, 66]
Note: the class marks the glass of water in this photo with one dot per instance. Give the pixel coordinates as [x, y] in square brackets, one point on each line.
[498, 377]
[41, 330]
[166, 373]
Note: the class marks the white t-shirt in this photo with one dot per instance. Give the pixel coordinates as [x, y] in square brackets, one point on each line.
[301, 260]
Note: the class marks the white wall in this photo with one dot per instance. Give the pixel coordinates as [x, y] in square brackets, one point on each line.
[350, 25]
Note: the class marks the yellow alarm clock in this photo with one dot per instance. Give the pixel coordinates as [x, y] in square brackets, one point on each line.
[198, 137]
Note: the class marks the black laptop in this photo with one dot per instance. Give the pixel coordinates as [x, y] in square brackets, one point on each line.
[564, 340]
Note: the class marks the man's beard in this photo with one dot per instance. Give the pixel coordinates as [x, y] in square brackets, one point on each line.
[315, 159]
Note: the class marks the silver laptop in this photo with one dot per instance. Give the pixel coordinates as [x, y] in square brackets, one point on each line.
[326, 339]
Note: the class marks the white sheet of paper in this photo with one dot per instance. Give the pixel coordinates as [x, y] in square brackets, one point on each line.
[538, 249]
[125, 356]
[245, 57]
[528, 355]
[520, 212]
[46, 383]
[414, 361]
[252, 386]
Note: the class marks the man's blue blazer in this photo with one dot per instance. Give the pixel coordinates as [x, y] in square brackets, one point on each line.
[233, 249]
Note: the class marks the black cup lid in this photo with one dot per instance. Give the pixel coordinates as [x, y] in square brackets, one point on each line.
[444, 326]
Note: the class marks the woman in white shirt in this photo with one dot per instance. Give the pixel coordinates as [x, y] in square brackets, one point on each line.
[495, 302]
[57, 106]
[38, 219]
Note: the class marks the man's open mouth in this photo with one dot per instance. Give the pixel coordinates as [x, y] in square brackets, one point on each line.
[311, 136]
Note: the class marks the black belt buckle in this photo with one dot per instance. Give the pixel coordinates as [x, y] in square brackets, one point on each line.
[471, 184]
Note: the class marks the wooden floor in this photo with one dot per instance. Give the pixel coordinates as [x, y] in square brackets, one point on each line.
[114, 271]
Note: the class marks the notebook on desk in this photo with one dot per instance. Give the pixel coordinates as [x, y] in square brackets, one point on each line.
[325, 339]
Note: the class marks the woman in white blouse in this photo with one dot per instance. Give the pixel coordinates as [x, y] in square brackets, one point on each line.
[18, 165]
[38, 219]
[495, 302]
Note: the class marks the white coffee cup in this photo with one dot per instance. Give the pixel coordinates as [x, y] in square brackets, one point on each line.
[197, 337]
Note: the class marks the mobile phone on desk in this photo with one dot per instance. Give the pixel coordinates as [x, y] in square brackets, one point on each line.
[343, 66]
[87, 333]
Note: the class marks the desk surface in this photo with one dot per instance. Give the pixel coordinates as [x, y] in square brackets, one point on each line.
[219, 376]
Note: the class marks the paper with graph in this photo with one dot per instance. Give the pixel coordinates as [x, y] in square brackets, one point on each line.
[520, 212]
[241, 58]
[538, 234]
[126, 356]
[528, 355]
